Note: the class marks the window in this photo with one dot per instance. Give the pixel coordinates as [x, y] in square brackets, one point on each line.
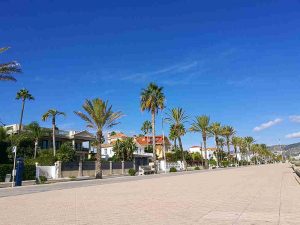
[44, 144]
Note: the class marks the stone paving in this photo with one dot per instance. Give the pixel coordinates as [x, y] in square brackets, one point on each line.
[267, 194]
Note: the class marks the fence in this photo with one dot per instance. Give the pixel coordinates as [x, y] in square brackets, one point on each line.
[178, 165]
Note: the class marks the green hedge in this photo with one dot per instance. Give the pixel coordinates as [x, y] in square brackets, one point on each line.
[5, 169]
[28, 174]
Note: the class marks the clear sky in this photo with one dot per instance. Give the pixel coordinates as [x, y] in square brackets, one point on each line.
[237, 61]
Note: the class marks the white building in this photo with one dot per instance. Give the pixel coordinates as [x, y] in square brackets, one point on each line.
[210, 151]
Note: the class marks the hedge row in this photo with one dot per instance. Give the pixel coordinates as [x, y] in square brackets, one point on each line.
[28, 174]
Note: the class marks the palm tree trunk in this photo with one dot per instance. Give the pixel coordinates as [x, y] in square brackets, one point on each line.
[35, 147]
[235, 152]
[217, 150]
[153, 140]
[53, 136]
[181, 148]
[98, 157]
[175, 144]
[206, 162]
[21, 117]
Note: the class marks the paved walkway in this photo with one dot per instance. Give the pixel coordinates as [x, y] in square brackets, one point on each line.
[267, 194]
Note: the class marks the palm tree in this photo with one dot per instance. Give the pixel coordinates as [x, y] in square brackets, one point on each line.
[36, 132]
[228, 132]
[221, 143]
[177, 117]
[98, 116]
[173, 135]
[53, 113]
[235, 143]
[8, 69]
[153, 100]
[201, 124]
[23, 94]
[146, 129]
[216, 131]
[250, 141]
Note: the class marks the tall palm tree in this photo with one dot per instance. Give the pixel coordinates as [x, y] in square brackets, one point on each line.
[216, 131]
[173, 135]
[24, 95]
[153, 100]
[146, 129]
[228, 132]
[201, 124]
[36, 132]
[221, 143]
[235, 143]
[8, 69]
[98, 116]
[178, 117]
[250, 141]
[53, 113]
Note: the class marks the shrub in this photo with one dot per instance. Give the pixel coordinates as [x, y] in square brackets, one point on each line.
[66, 152]
[72, 177]
[197, 168]
[46, 158]
[29, 172]
[5, 169]
[43, 179]
[173, 170]
[131, 172]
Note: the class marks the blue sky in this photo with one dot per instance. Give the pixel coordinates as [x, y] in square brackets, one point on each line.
[237, 61]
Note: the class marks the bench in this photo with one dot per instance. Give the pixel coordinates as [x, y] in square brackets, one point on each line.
[144, 170]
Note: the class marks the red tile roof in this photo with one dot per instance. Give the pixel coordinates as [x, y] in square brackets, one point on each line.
[146, 140]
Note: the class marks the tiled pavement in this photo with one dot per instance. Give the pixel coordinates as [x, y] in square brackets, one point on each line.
[267, 194]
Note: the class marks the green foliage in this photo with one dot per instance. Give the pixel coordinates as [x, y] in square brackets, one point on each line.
[66, 153]
[173, 170]
[25, 146]
[149, 149]
[43, 179]
[131, 172]
[124, 149]
[28, 173]
[225, 163]
[197, 168]
[212, 162]
[3, 153]
[5, 169]
[45, 158]
[72, 178]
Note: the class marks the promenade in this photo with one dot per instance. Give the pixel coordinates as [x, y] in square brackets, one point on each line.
[266, 194]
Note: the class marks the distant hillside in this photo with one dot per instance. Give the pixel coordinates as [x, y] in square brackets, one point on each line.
[292, 149]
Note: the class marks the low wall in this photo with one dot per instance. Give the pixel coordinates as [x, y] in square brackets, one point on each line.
[89, 168]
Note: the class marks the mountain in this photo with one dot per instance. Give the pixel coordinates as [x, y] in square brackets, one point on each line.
[292, 149]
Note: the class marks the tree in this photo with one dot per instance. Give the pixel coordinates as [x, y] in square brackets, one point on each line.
[8, 69]
[249, 142]
[216, 131]
[53, 113]
[177, 117]
[24, 95]
[36, 132]
[4, 143]
[173, 135]
[146, 129]
[153, 100]
[124, 149]
[98, 116]
[201, 124]
[235, 143]
[66, 152]
[228, 132]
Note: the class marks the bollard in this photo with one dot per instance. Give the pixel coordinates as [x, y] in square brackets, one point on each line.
[19, 172]
[123, 171]
[110, 168]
